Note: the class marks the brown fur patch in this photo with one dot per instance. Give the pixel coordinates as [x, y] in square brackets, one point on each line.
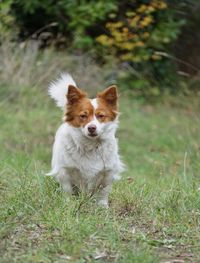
[107, 104]
[80, 113]
[75, 94]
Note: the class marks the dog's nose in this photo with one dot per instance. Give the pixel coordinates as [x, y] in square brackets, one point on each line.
[92, 128]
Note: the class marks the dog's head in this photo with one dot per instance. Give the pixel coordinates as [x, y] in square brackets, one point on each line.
[93, 117]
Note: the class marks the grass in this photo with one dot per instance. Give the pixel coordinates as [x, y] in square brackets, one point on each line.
[154, 213]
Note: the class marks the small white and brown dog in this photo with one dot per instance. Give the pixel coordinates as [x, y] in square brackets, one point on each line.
[85, 151]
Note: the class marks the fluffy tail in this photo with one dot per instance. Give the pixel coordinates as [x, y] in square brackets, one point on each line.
[59, 88]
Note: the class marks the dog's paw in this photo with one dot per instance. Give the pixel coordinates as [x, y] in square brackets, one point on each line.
[103, 203]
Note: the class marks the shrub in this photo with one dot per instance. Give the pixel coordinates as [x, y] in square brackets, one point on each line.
[73, 21]
[136, 36]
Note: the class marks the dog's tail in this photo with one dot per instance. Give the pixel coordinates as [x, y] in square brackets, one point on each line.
[59, 88]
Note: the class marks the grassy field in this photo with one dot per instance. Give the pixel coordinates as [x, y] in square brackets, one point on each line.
[154, 213]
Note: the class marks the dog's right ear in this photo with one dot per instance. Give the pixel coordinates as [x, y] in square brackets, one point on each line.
[74, 94]
[109, 95]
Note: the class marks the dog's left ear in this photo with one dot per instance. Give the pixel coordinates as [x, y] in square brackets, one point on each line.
[109, 95]
[74, 94]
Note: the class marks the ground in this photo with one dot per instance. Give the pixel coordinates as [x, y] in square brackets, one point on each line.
[154, 212]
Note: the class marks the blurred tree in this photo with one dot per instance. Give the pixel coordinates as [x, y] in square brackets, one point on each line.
[77, 21]
[187, 45]
[137, 33]
[144, 36]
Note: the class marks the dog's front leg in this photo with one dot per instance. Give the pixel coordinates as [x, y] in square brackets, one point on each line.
[104, 190]
[63, 178]
[103, 194]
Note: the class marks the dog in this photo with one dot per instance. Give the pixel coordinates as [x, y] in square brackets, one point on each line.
[85, 151]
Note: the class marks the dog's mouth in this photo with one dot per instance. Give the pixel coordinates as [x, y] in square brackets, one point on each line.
[92, 134]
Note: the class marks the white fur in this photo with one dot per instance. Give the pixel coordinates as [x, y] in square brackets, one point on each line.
[89, 163]
[94, 103]
[58, 89]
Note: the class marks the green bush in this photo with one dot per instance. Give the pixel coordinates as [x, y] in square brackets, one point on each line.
[137, 34]
[76, 21]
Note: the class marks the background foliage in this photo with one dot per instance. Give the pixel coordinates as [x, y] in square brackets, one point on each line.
[142, 41]
[150, 48]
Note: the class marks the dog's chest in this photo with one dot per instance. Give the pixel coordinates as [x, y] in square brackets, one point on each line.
[91, 161]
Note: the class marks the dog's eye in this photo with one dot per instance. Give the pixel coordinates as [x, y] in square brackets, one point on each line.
[100, 116]
[83, 116]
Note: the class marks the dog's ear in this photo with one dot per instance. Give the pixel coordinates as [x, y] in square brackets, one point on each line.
[109, 95]
[74, 94]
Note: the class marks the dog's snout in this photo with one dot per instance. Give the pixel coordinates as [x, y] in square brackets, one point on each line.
[92, 128]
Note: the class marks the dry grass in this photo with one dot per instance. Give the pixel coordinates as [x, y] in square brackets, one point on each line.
[154, 213]
[26, 65]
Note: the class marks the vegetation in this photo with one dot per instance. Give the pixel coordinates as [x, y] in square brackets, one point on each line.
[140, 38]
[154, 209]
[142, 46]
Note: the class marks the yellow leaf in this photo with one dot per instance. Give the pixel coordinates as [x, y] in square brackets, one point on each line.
[103, 39]
[145, 35]
[146, 21]
[142, 9]
[128, 46]
[139, 44]
[155, 57]
[127, 56]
